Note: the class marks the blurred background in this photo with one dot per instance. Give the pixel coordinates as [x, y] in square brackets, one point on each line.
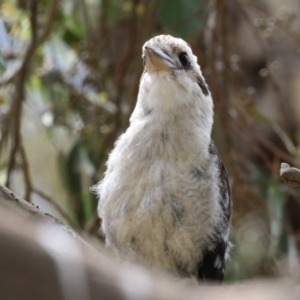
[69, 77]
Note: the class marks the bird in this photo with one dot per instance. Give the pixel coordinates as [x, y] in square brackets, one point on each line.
[165, 199]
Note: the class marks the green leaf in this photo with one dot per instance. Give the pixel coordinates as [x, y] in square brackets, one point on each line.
[111, 9]
[87, 201]
[173, 12]
[275, 205]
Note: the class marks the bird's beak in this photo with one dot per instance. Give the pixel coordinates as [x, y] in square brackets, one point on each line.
[157, 60]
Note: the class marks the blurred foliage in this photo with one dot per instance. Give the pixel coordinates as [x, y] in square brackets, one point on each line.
[75, 66]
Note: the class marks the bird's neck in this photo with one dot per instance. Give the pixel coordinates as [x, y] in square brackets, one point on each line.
[163, 101]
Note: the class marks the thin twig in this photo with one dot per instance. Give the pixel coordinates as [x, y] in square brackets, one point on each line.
[16, 107]
[93, 224]
[31, 189]
[26, 173]
[49, 21]
[255, 133]
[266, 56]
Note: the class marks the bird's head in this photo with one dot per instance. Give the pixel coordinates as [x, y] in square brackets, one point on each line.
[172, 77]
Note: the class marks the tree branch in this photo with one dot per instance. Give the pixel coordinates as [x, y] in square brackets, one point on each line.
[41, 258]
[7, 197]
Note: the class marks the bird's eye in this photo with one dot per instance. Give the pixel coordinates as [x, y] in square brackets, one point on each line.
[184, 59]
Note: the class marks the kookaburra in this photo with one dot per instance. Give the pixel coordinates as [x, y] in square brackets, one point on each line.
[165, 199]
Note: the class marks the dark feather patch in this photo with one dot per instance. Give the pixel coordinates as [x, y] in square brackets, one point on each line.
[202, 85]
[225, 199]
[212, 266]
[197, 173]
[164, 136]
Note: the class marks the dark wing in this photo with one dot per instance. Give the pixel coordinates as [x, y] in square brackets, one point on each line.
[212, 267]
